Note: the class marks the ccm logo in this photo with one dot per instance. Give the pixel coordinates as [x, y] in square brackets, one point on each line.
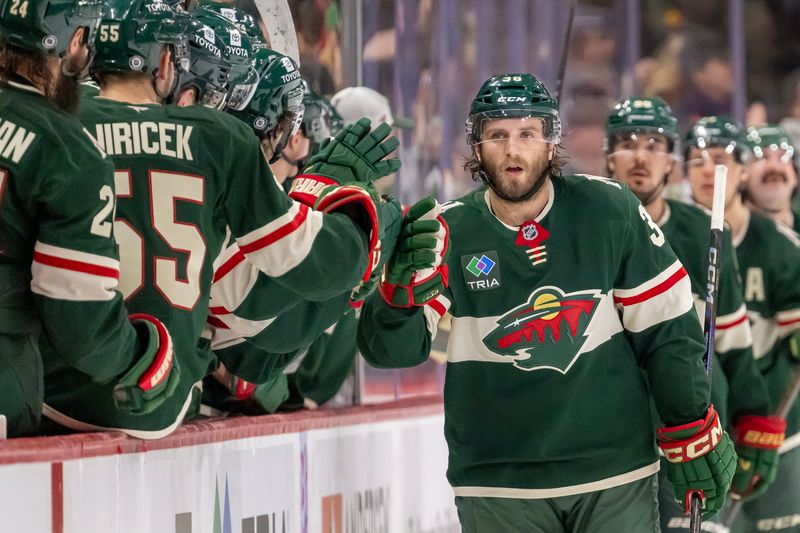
[692, 449]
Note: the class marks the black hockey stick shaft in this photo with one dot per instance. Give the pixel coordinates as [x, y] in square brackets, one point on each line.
[712, 290]
[562, 67]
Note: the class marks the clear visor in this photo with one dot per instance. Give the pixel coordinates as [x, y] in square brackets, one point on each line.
[774, 152]
[214, 99]
[526, 132]
[722, 155]
[90, 9]
[634, 144]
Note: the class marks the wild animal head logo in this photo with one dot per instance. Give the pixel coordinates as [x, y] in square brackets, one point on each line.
[547, 331]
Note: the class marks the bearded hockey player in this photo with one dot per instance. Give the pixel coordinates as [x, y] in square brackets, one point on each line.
[772, 180]
[769, 262]
[186, 178]
[642, 146]
[58, 261]
[563, 291]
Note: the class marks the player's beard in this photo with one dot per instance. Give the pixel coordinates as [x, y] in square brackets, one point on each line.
[536, 173]
[66, 93]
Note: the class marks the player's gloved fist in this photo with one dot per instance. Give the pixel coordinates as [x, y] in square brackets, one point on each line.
[757, 441]
[391, 222]
[700, 458]
[356, 154]
[155, 376]
[417, 271]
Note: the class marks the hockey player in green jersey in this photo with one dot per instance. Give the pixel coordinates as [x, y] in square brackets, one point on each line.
[570, 313]
[769, 263]
[186, 177]
[642, 146]
[772, 177]
[58, 262]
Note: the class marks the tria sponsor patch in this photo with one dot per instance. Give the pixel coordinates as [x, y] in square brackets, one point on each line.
[481, 270]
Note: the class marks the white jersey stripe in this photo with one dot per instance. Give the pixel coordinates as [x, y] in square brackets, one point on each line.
[732, 330]
[277, 250]
[74, 255]
[558, 492]
[658, 307]
[65, 274]
[434, 311]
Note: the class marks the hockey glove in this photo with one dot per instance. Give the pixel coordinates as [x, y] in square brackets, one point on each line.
[391, 221]
[356, 154]
[417, 271]
[757, 441]
[700, 458]
[155, 376]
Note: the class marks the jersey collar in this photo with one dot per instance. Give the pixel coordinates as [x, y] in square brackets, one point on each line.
[27, 87]
[739, 237]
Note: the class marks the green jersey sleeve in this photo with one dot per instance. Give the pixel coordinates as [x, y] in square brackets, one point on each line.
[653, 294]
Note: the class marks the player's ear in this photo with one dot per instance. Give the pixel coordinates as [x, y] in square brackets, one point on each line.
[187, 97]
[612, 167]
[77, 41]
[165, 66]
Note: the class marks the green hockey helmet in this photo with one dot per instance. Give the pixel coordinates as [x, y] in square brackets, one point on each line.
[241, 18]
[513, 96]
[317, 121]
[243, 78]
[131, 38]
[48, 25]
[771, 137]
[208, 65]
[718, 131]
[275, 111]
[641, 114]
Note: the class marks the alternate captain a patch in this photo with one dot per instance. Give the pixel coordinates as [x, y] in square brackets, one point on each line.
[481, 270]
[547, 331]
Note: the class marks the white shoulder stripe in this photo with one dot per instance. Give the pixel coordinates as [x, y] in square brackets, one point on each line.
[75, 255]
[649, 284]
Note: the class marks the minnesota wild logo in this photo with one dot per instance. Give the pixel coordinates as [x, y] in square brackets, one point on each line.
[547, 331]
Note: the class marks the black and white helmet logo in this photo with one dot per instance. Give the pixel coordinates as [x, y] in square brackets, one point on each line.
[209, 34]
[49, 41]
[136, 63]
[228, 13]
[236, 38]
[260, 123]
[287, 64]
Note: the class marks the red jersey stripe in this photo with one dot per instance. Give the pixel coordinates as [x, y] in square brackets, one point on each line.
[75, 266]
[278, 234]
[662, 287]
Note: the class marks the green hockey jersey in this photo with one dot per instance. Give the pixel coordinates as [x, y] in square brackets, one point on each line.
[769, 259]
[187, 179]
[562, 331]
[737, 387]
[58, 262]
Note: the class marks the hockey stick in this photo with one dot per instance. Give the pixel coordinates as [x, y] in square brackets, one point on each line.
[782, 411]
[709, 324]
[562, 67]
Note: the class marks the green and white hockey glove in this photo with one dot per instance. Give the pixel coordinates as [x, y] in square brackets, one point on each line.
[417, 271]
[757, 441]
[155, 376]
[700, 459]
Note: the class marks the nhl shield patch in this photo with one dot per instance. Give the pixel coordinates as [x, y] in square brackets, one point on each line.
[481, 270]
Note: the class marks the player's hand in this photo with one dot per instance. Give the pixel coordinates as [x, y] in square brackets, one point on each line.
[700, 458]
[757, 441]
[417, 271]
[154, 376]
[391, 221]
[356, 154]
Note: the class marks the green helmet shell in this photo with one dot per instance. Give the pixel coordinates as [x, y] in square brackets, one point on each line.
[243, 77]
[208, 65]
[719, 131]
[770, 137]
[48, 25]
[132, 38]
[276, 107]
[513, 96]
[641, 114]
[241, 18]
